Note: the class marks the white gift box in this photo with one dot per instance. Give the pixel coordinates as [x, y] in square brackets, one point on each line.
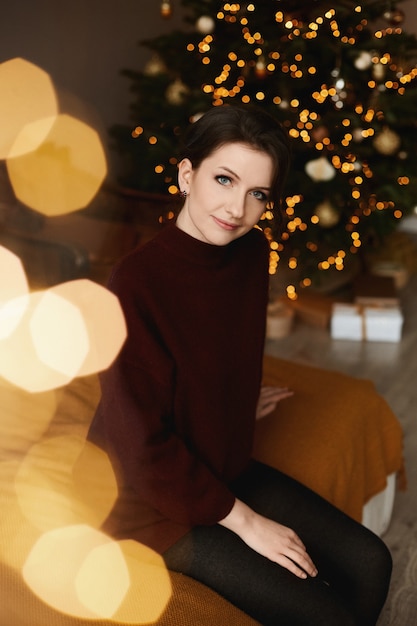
[383, 324]
[369, 323]
[346, 322]
[279, 320]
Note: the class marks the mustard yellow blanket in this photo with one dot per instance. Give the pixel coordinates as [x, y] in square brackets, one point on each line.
[336, 435]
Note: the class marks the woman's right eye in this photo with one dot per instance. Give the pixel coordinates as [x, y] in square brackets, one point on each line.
[223, 180]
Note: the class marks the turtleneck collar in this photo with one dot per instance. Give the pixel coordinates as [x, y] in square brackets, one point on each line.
[192, 249]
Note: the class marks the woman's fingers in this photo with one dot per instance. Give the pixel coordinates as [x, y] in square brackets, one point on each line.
[283, 546]
[297, 562]
[295, 558]
[272, 540]
[293, 567]
[271, 392]
[268, 399]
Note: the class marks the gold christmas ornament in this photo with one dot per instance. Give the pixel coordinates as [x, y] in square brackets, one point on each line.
[319, 133]
[363, 61]
[357, 134]
[378, 71]
[387, 142]
[327, 214]
[166, 9]
[205, 25]
[394, 17]
[176, 92]
[260, 68]
[154, 66]
[320, 169]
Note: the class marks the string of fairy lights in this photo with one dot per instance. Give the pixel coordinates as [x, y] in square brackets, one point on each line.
[231, 81]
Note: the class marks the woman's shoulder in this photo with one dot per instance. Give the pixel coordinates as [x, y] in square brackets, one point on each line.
[136, 265]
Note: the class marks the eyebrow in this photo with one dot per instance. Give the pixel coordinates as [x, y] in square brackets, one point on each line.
[227, 169]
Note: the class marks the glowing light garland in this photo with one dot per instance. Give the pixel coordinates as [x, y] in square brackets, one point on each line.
[253, 71]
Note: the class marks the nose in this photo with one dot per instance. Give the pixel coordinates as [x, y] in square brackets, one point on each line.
[236, 208]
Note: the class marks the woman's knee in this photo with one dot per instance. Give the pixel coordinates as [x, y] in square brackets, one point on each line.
[319, 605]
[377, 556]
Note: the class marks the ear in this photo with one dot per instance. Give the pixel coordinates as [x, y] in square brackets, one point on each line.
[185, 173]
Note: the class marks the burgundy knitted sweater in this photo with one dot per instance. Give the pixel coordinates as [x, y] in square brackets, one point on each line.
[178, 405]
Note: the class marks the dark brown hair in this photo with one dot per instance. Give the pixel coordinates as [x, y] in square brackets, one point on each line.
[238, 124]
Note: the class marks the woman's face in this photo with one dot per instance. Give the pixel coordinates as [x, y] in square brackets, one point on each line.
[226, 194]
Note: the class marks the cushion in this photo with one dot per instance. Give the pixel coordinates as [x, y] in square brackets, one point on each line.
[191, 604]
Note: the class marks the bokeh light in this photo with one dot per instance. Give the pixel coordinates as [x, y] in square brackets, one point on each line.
[13, 281]
[31, 136]
[17, 534]
[62, 334]
[20, 362]
[64, 173]
[24, 417]
[150, 589]
[59, 334]
[103, 579]
[27, 95]
[52, 567]
[64, 481]
[103, 318]
[80, 571]
[11, 314]
[13, 284]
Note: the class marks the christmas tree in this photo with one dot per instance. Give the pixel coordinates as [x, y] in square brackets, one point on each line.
[342, 78]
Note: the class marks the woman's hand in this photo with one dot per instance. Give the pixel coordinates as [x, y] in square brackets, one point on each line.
[274, 541]
[269, 398]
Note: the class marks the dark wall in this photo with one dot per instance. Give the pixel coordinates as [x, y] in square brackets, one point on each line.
[83, 44]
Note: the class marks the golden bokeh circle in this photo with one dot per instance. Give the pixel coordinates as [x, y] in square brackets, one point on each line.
[106, 332]
[27, 95]
[64, 481]
[64, 173]
[82, 572]
[13, 292]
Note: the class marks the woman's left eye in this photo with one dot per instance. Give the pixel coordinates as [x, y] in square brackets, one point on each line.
[260, 195]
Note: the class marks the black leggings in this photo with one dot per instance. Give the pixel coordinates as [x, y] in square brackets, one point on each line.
[354, 564]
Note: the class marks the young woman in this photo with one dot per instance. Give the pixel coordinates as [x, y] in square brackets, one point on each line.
[179, 405]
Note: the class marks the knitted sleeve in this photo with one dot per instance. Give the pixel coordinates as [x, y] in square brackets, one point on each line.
[135, 417]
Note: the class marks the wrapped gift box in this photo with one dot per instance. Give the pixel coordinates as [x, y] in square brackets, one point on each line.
[373, 290]
[383, 324]
[312, 308]
[390, 269]
[346, 322]
[279, 320]
[369, 323]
